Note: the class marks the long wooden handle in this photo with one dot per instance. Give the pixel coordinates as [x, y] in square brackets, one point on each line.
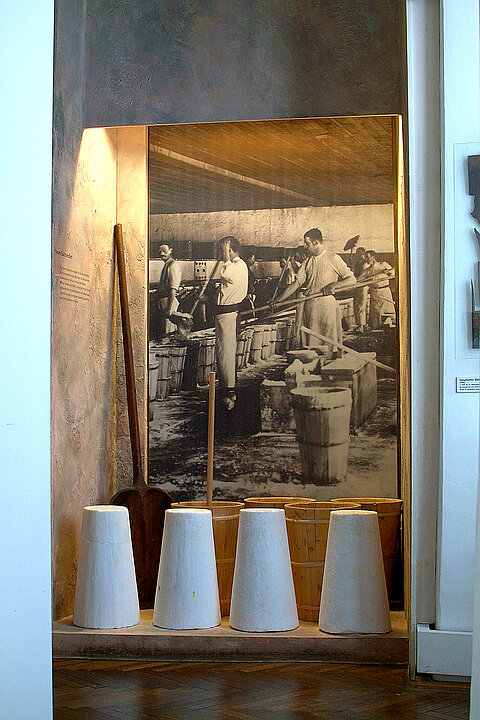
[211, 435]
[128, 355]
[335, 343]
[282, 275]
[204, 287]
[297, 301]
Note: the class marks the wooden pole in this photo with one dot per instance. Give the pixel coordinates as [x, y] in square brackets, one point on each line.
[298, 301]
[204, 287]
[335, 343]
[211, 435]
[138, 478]
[282, 274]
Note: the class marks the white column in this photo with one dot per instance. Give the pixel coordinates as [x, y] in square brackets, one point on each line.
[26, 57]
[424, 230]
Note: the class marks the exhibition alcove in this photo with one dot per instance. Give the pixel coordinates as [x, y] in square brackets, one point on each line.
[266, 182]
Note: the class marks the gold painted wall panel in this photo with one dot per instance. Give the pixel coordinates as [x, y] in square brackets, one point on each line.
[90, 442]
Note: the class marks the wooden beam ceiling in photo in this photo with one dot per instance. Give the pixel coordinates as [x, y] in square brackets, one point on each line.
[271, 164]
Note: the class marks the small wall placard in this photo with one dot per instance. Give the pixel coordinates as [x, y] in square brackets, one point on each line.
[468, 384]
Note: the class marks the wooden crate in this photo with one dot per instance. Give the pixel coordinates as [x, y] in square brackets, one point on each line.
[360, 376]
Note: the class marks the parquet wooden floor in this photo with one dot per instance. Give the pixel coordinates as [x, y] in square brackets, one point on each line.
[125, 690]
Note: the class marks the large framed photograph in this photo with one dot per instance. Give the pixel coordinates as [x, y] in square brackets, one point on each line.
[272, 263]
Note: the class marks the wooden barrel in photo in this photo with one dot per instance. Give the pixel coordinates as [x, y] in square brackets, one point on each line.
[244, 341]
[307, 528]
[322, 419]
[290, 333]
[206, 359]
[281, 338]
[162, 357]
[265, 342]
[177, 362]
[273, 339]
[278, 502]
[248, 343]
[257, 344]
[240, 352]
[389, 511]
[152, 378]
[190, 369]
[225, 516]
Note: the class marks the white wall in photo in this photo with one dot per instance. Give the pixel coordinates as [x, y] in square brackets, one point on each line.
[283, 227]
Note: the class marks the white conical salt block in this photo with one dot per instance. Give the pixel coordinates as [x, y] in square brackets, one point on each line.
[106, 594]
[187, 587]
[263, 595]
[354, 592]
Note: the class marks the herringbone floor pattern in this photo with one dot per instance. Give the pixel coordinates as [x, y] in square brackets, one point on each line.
[122, 690]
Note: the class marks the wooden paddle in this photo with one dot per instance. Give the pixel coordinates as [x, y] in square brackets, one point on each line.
[146, 505]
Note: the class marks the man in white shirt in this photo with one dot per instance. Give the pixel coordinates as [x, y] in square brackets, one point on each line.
[324, 272]
[167, 289]
[381, 300]
[233, 290]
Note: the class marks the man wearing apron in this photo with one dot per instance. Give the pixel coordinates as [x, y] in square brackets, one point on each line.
[381, 300]
[168, 286]
[232, 291]
[324, 272]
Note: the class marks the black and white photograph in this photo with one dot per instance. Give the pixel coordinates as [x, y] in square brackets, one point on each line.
[272, 264]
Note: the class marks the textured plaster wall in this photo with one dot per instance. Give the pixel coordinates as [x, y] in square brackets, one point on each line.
[158, 61]
[282, 227]
[90, 437]
[82, 311]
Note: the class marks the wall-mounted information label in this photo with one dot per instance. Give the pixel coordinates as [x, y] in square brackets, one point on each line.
[73, 285]
[468, 384]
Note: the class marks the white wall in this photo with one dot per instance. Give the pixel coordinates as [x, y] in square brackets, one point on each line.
[283, 227]
[444, 113]
[25, 620]
[461, 125]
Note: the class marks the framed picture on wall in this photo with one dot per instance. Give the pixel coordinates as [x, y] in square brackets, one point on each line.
[272, 262]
